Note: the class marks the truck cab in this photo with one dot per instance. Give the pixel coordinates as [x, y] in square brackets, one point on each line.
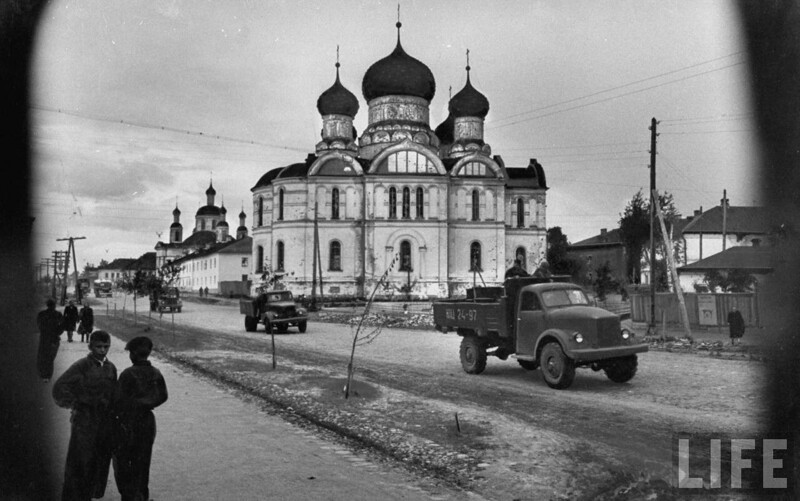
[549, 324]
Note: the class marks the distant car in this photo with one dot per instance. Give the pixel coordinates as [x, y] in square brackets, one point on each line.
[274, 309]
[169, 299]
[102, 288]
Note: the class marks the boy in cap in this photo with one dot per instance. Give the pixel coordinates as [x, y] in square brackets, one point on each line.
[87, 388]
[140, 389]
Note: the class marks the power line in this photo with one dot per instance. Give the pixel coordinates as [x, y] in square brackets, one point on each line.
[615, 97]
[623, 86]
[163, 127]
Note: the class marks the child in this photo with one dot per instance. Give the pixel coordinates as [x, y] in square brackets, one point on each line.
[88, 388]
[141, 388]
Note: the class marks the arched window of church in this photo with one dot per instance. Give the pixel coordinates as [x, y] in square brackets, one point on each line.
[520, 254]
[520, 213]
[407, 162]
[261, 211]
[405, 256]
[259, 260]
[213, 224]
[335, 256]
[335, 203]
[202, 224]
[475, 257]
[406, 203]
[476, 205]
[420, 202]
[392, 203]
[474, 169]
[279, 259]
[280, 205]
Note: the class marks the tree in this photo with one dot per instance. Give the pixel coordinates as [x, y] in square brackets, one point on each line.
[557, 254]
[271, 279]
[605, 281]
[732, 280]
[634, 226]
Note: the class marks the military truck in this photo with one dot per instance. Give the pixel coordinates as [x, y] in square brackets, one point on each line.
[545, 323]
[167, 299]
[275, 309]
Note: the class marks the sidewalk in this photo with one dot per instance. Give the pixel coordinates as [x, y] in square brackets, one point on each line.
[213, 445]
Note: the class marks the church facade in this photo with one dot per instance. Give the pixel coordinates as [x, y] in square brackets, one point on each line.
[432, 210]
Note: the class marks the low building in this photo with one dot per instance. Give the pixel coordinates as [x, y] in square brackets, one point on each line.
[593, 252]
[115, 270]
[754, 261]
[215, 266]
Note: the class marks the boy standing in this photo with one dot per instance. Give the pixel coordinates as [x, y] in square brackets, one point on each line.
[141, 388]
[87, 388]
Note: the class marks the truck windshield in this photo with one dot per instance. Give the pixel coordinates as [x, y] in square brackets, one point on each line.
[564, 297]
[280, 296]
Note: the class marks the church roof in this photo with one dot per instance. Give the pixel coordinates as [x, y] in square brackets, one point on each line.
[337, 100]
[468, 102]
[398, 74]
[444, 131]
[531, 176]
[267, 178]
[208, 210]
[199, 238]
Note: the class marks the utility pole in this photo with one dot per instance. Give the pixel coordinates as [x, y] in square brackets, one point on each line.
[653, 134]
[58, 261]
[314, 265]
[724, 219]
[71, 250]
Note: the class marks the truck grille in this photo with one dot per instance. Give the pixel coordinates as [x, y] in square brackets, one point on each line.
[608, 332]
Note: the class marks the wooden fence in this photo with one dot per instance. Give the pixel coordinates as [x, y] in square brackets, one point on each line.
[703, 309]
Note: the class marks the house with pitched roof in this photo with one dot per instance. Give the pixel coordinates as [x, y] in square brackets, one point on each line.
[213, 266]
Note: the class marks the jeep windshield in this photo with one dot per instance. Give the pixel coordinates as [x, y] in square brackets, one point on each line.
[273, 297]
[564, 297]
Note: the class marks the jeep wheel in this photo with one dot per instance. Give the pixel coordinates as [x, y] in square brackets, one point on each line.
[473, 354]
[558, 371]
[622, 370]
[301, 326]
[528, 365]
[250, 323]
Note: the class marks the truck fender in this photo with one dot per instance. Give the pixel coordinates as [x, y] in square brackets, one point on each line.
[558, 335]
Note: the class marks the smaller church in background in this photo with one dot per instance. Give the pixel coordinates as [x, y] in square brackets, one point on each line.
[210, 257]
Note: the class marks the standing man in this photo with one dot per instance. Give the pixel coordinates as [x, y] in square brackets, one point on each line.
[736, 325]
[87, 388]
[50, 326]
[86, 317]
[70, 319]
[517, 270]
[140, 389]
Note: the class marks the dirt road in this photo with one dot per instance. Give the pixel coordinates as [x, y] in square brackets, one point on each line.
[503, 434]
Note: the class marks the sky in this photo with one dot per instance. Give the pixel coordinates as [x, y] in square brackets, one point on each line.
[138, 105]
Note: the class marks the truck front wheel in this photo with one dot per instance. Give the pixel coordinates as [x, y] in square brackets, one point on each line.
[622, 370]
[473, 354]
[558, 371]
[250, 323]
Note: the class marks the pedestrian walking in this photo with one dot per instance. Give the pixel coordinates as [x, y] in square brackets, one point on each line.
[205, 293]
[140, 389]
[517, 270]
[87, 388]
[736, 325]
[86, 318]
[70, 319]
[50, 323]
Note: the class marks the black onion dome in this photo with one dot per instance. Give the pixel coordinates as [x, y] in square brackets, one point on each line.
[223, 210]
[398, 74]
[445, 130]
[222, 223]
[469, 102]
[211, 190]
[176, 211]
[337, 100]
[242, 214]
[208, 210]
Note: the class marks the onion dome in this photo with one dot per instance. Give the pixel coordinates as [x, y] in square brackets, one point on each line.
[469, 102]
[445, 130]
[242, 215]
[176, 212]
[398, 74]
[223, 210]
[211, 190]
[222, 223]
[208, 210]
[337, 100]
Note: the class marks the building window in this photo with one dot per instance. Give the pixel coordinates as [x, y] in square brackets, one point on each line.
[520, 213]
[474, 169]
[261, 211]
[420, 202]
[409, 162]
[335, 257]
[279, 260]
[245, 262]
[405, 256]
[476, 205]
[475, 257]
[520, 254]
[280, 205]
[406, 203]
[392, 203]
[335, 203]
[259, 260]
[202, 224]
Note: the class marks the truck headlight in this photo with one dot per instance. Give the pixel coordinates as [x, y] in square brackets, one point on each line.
[301, 311]
[626, 334]
[577, 337]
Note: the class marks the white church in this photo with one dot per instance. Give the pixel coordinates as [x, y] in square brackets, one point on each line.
[434, 209]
